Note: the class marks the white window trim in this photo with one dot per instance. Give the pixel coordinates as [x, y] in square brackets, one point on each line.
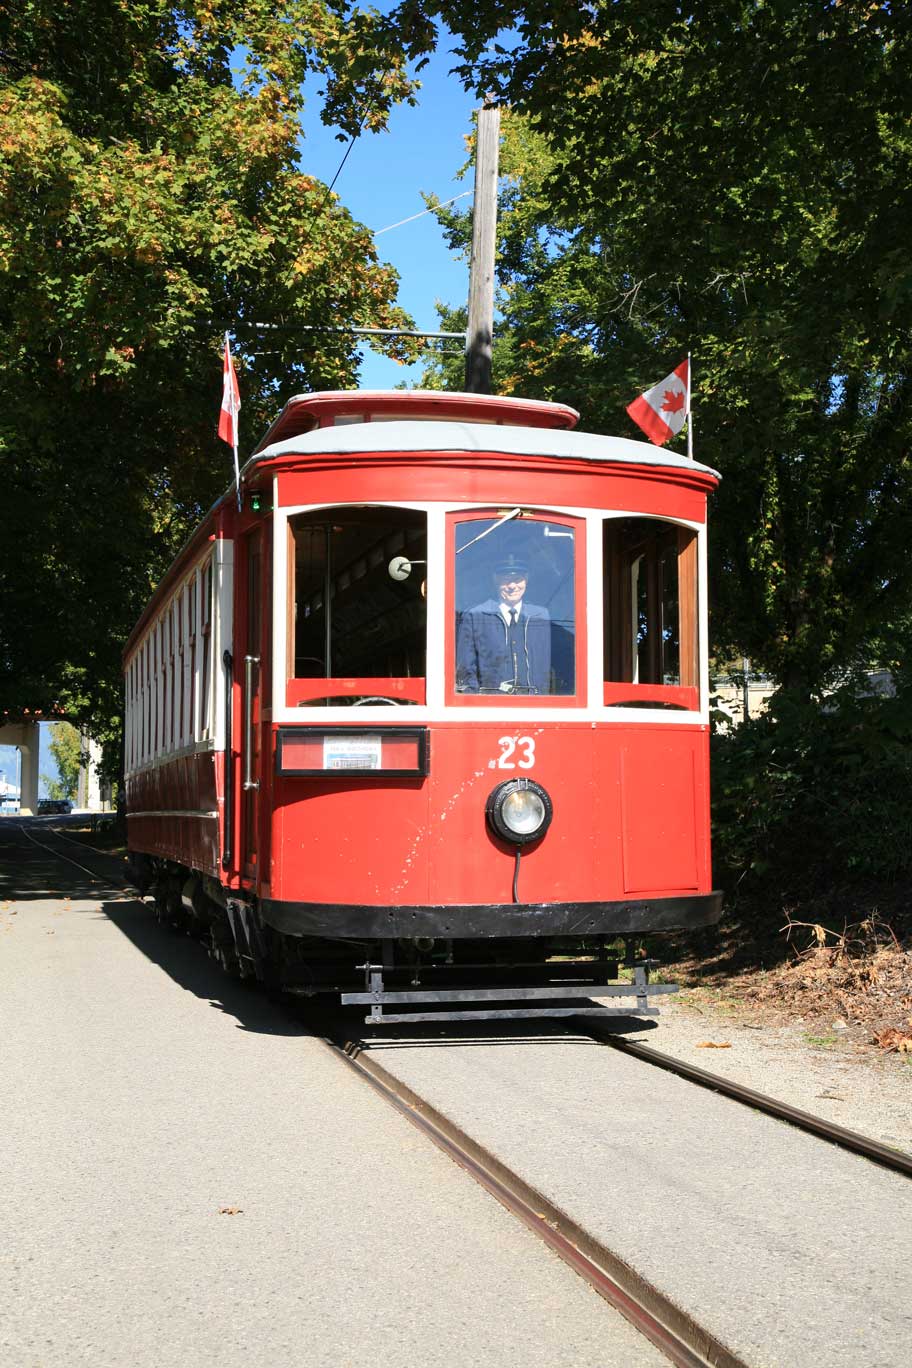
[221, 637]
[435, 709]
[147, 704]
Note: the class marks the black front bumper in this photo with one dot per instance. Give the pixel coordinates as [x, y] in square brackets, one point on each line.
[636, 917]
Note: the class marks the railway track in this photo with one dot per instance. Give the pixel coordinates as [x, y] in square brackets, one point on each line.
[92, 873]
[674, 1332]
[846, 1139]
[885, 1155]
[671, 1330]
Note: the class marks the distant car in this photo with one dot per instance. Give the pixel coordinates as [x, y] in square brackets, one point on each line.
[48, 806]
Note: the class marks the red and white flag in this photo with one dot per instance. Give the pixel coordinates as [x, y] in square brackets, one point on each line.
[231, 401]
[228, 415]
[663, 410]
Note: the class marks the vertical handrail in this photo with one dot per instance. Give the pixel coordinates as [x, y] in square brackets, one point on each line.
[250, 664]
[228, 849]
[327, 604]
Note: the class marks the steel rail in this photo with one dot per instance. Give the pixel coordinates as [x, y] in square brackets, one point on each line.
[878, 1153]
[898, 1161]
[93, 874]
[655, 1316]
[680, 1338]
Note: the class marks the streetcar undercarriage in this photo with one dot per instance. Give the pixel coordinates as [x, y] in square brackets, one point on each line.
[421, 977]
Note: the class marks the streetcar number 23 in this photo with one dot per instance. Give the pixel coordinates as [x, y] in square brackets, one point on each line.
[516, 751]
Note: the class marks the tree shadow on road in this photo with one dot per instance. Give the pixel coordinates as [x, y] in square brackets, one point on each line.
[33, 873]
[186, 961]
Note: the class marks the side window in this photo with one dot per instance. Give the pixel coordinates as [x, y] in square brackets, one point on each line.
[515, 606]
[205, 620]
[163, 682]
[156, 688]
[190, 594]
[146, 703]
[150, 700]
[170, 635]
[180, 729]
[357, 620]
[650, 608]
[130, 712]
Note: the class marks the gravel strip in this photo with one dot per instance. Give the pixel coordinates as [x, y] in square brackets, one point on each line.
[863, 1092]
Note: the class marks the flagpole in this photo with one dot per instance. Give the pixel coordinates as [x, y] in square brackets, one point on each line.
[690, 421]
[234, 444]
[228, 413]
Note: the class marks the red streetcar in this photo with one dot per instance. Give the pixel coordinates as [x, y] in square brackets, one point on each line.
[426, 722]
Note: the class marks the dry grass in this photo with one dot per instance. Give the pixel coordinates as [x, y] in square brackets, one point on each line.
[844, 977]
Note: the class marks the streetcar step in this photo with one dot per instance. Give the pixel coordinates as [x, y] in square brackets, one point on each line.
[557, 996]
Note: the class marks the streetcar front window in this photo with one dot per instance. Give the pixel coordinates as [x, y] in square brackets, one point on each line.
[355, 626]
[515, 606]
[650, 612]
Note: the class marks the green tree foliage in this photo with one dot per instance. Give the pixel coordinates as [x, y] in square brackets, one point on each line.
[731, 178]
[809, 798]
[735, 179]
[66, 748]
[152, 195]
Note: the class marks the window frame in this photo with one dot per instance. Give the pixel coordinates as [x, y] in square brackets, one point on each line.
[517, 702]
[206, 663]
[410, 689]
[685, 695]
[442, 704]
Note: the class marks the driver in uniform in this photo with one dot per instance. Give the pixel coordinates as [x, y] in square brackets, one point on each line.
[503, 645]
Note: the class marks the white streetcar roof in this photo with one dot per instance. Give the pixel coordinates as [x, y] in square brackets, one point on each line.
[337, 408]
[426, 435]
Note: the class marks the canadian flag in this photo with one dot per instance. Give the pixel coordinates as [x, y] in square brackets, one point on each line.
[231, 401]
[662, 411]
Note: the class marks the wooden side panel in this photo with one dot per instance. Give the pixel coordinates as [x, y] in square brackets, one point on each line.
[687, 597]
[172, 811]
[659, 817]
[630, 818]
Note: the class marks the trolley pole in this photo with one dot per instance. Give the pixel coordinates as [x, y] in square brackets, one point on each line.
[480, 329]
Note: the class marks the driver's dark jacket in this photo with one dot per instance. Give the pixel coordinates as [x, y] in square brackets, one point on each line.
[483, 662]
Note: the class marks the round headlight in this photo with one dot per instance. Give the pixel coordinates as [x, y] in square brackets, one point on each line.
[523, 812]
[519, 811]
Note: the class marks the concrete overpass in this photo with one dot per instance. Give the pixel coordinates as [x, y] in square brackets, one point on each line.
[25, 736]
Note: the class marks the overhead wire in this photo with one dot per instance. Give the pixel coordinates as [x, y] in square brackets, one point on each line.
[430, 210]
[354, 138]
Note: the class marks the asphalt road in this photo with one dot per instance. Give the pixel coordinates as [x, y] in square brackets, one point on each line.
[189, 1177]
[792, 1253]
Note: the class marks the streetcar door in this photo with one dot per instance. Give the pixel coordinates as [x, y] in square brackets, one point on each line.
[251, 674]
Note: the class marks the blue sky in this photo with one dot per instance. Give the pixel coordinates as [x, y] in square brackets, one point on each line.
[381, 184]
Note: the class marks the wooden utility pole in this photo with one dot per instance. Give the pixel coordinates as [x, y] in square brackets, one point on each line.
[480, 329]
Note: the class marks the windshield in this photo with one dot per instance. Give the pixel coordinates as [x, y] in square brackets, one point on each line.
[515, 612]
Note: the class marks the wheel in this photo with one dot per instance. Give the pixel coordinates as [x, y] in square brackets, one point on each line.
[169, 909]
[221, 947]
